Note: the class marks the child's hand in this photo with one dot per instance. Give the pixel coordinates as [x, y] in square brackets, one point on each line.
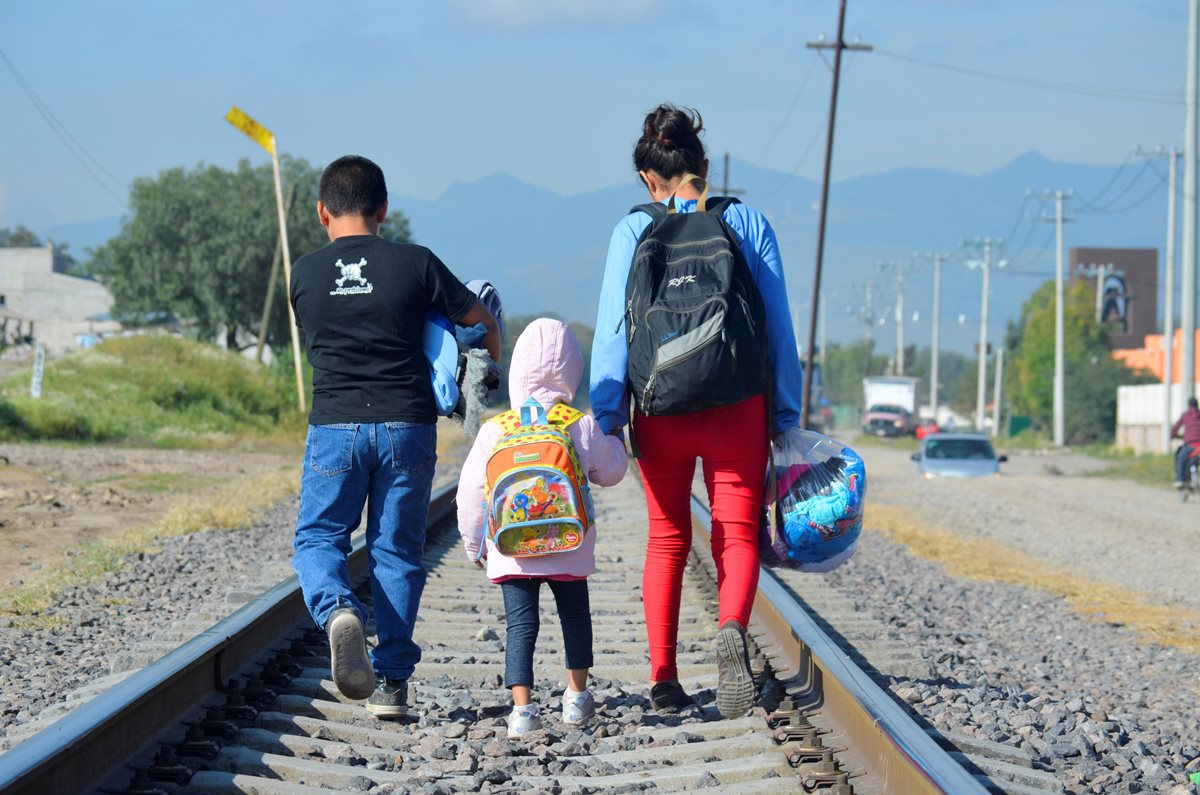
[479, 564]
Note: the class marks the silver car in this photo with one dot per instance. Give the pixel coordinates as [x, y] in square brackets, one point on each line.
[957, 455]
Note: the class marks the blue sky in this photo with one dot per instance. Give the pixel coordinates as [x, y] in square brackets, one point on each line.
[553, 92]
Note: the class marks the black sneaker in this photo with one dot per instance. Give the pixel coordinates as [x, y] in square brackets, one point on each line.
[735, 682]
[668, 697]
[390, 699]
[352, 672]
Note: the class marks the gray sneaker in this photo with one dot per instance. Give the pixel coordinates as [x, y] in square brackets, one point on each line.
[352, 671]
[578, 707]
[523, 720]
[735, 682]
[390, 699]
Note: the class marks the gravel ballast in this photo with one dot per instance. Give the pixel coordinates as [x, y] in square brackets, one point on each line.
[1087, 700]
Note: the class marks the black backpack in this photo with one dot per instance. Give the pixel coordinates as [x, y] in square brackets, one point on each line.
[694, 319]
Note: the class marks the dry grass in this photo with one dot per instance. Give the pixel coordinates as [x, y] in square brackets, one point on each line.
[231, 506]
[988, 561]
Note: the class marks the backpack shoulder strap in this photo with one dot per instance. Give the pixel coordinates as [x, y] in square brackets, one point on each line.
[719, 204]
[508, 421]
[563, 416]
[654, 209]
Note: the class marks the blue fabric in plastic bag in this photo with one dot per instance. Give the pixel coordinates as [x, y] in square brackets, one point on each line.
[813, 520]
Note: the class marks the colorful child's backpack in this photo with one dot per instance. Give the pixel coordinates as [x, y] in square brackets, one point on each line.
[536, 492]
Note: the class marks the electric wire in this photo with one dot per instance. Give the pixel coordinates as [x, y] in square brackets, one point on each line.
[72, 144]
[1106, 207]
[1160, 98]
[1087, 204]
[812, 64]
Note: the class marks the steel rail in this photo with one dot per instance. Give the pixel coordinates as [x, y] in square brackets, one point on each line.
[89, 746]
[897, 752]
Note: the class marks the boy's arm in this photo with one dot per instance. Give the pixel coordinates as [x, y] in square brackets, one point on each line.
[478, 313]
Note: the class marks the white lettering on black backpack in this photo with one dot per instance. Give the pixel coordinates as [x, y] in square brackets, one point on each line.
[695, 324]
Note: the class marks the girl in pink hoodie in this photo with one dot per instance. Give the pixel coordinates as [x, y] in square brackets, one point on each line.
[546, 365]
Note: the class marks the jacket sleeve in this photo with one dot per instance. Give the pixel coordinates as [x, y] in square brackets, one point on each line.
[604, 456]
[609, 354]
[471, 510]
[762, 255]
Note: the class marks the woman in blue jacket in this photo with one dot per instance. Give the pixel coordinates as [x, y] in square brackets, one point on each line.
[730, 440]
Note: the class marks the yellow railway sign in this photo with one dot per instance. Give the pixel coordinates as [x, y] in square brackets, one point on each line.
[260, 134]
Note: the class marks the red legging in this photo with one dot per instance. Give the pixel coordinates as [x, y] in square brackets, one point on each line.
[732, 443]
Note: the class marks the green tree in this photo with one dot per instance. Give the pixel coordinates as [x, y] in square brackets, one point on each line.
[1091, 374]
[844, 370]
[199, 244]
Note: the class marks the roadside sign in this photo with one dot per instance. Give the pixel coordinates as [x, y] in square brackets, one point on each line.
[39, 367]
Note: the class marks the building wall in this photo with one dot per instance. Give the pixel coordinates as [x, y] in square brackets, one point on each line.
[1141, 412]
[1150, 357]
[58, 305]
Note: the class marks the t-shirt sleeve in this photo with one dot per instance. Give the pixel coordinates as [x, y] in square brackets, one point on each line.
[446, 294]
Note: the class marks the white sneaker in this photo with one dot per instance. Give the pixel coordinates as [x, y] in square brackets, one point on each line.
[578, 707]
[523, 720]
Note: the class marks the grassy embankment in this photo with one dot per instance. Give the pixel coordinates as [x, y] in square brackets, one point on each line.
[162, 392]
[159, 391]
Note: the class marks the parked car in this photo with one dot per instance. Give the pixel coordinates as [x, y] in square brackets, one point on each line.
[925, 428]
[957, 455]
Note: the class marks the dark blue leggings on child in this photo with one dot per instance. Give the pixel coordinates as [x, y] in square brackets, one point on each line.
[521, 608]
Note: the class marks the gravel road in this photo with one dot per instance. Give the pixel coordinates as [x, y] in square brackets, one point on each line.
[1084, 698]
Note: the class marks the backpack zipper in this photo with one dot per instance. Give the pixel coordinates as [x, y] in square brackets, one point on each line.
[648, 392]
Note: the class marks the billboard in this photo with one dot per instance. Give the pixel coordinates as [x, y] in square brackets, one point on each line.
[1126, 285]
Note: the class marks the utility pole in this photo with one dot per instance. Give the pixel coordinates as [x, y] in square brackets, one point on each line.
[1059, 309]
[821, 341]
[837, 46]
[1191, 148]
[899, 311]
[1169, 306]
[986, 264]
[725, 189]
[997, 381]
[936, 343]
[1168, 341]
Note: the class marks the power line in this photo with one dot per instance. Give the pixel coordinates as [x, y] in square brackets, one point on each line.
[1108, 206]
[1153, 97]
[1089, 203]
[69, 141]
[812, 64]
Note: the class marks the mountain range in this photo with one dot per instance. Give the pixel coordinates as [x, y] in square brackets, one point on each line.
[545, 251]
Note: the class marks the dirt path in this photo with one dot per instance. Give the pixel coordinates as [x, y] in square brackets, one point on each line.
[1110, 530]
[55, 498]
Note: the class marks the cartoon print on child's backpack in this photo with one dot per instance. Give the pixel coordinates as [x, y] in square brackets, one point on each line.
[537, 494]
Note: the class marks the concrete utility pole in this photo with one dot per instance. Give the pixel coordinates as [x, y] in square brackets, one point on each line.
[937, 334]
[1168, 342]
[1059, 310]
[986, 264]
[1169, 306]
[837, 46]
[1191, 148]
[899, 311]
[997, 382]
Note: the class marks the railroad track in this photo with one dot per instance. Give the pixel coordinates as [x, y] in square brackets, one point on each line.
[248, 706]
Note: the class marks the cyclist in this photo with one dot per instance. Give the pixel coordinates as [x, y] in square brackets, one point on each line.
[1189, 424]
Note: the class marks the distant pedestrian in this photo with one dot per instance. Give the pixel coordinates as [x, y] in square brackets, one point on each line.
[372, 437]
[699, 365]
[1187, 426]
[545, 508]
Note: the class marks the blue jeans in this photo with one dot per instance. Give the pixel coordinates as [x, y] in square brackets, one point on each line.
[388, 467]
[521, 616]
[1181, 462]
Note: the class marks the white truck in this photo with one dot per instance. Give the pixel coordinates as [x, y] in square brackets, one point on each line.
[890, 405]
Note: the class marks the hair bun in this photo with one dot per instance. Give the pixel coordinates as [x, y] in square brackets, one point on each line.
[670, 143]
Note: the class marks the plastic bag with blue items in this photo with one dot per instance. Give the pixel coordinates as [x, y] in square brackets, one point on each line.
[814, 495]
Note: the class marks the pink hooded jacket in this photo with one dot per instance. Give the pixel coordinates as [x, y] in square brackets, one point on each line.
[546, 365]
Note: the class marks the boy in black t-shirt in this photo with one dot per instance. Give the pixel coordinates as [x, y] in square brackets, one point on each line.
[372, 435]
